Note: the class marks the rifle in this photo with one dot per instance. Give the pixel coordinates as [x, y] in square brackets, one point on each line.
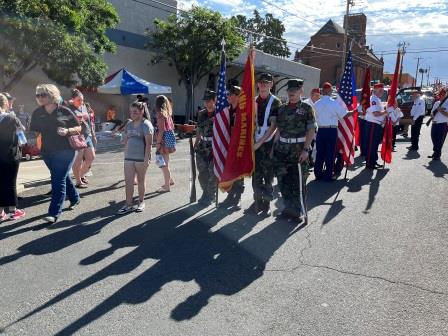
[435, 112]
[192, 172]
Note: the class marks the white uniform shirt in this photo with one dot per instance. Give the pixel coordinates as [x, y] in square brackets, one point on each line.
[310, 101]
[376, 105]
[394, 114]
[439, 117]
[418, 109]
[328, 111]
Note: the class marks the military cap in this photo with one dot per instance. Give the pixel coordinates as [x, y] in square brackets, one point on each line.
[327, 85]
[265, 77]
[295, 83]
[378, 86]
[234, 89]
[209, 94]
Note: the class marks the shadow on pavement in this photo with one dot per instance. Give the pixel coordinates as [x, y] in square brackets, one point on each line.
[78, 231]
[411, 155]
[185, 249]
[438, 168]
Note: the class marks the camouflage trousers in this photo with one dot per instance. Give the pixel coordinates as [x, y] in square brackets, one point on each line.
[206, 176]
[263, 175]
[237, 188]
[286, 167]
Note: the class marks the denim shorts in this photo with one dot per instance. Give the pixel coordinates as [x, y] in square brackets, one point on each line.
[89, 141]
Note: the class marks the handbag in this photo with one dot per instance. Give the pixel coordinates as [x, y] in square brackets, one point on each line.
[77, 141]
[169, 139]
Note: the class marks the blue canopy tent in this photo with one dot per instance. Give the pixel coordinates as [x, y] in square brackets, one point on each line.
[125, 83]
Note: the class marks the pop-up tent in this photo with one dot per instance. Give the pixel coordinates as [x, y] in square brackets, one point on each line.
[124, 83]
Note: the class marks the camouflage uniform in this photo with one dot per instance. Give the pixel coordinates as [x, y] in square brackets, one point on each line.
[293, 121]
[204, 157]
[264, 170]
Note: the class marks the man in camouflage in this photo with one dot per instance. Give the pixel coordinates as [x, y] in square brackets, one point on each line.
[203, 148]
[263, 176]
[233, 199]
[296, 128]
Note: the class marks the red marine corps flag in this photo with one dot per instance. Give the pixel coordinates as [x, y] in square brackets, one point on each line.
[240, 155]
[386, 146]
[363, 105]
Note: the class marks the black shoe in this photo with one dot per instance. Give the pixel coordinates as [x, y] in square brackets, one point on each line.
[431, 156]
[228, 202]
[291, 213]
[411, 148]
[265, 209]
[378, 166]
[205, 200]
[253, 209]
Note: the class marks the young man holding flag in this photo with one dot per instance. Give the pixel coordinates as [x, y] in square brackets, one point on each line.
[266, 106]
[233, 199]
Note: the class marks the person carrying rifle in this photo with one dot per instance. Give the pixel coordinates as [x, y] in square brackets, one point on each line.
[296, 128]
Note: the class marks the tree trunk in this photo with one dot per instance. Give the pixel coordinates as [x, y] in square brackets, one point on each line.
[18, 76]
[189, 105]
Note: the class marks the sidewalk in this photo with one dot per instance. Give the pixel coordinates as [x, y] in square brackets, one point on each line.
[32, 174]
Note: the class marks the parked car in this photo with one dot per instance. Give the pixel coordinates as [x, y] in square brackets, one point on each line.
[405, 102]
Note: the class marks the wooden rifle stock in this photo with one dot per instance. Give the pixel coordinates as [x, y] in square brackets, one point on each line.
[192, 172]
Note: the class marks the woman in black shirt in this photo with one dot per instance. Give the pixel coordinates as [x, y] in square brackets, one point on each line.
[10, 155]
[55, 123]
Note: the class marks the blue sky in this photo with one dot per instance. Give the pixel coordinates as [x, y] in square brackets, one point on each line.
[422, 24]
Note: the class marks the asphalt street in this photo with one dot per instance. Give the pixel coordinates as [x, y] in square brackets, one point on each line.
[372, 261]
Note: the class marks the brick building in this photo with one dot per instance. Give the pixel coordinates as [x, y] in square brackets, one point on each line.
[324, 51]
[407, 80]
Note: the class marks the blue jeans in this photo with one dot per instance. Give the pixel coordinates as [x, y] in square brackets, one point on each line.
[325, 152]
[59, 163]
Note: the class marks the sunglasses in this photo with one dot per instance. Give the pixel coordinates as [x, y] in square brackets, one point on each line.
[41, 95]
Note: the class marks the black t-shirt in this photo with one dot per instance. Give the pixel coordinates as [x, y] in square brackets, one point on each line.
[263, 104]
[47, 124]
[9, 142]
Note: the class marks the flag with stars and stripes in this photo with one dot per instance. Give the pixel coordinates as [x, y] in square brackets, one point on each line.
[221, 123]
[346, 127]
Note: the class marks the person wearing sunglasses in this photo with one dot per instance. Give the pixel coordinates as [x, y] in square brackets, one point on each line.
[55, 123]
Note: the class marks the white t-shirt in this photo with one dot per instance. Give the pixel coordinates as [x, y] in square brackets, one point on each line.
[439, 117]
[418, 109]
[328, 111]
[376, 105]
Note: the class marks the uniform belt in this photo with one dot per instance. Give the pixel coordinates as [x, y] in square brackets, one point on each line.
[328, 126]
[375, 122]
[292, 140]
[207, 138]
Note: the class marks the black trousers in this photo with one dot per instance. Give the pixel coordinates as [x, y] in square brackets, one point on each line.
[8, 181]
[415, 132]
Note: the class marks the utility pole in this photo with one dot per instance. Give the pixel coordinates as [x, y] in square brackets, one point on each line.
[416, 70]
[427, 80]
[403, 45]
[344, 50]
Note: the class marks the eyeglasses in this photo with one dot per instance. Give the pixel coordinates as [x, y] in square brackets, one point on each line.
[41, 95]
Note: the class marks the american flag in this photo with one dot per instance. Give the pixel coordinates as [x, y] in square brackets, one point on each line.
[221, 123]
[346, 126]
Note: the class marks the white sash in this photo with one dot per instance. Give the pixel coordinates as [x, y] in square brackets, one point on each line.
[260, 131]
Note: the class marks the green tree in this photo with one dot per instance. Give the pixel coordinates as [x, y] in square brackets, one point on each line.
[65, 38]
[191, 42]
[262, 27]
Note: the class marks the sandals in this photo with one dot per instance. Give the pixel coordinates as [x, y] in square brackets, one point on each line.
[125, 209]
[81, 186]
[163, 189]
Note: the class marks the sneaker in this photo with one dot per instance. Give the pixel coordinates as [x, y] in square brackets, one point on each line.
[89, 173]
[125, 209]
[17, 214]
[140, 207]
[50, 219]
[3, 216]
[73, 206]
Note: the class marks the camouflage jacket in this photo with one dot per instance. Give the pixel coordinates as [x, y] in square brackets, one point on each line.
[205, 123]
[294, 121]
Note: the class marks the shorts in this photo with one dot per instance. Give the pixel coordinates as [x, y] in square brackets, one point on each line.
[89, 142]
